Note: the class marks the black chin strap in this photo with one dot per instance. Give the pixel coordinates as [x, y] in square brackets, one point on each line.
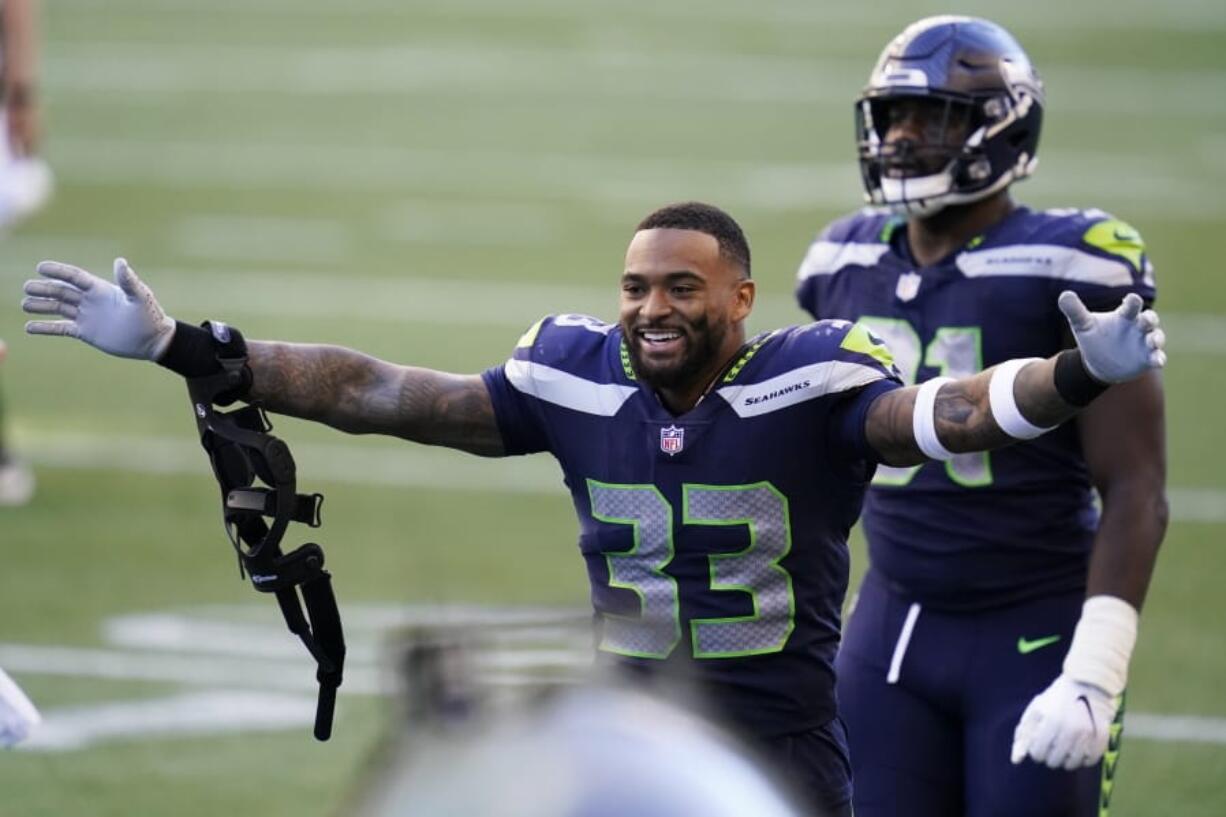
[241, 451]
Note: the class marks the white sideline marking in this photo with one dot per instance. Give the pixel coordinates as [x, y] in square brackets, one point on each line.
[260, 238]
[392, 465]
[193, 713]
[1174, 728]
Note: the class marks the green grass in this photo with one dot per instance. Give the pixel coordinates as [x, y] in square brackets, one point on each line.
[506, 146]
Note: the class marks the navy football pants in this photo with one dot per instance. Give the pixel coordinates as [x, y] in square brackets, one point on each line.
[932, 739]
[813, 765]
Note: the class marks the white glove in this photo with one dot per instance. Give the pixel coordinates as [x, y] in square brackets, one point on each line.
[1066, 726]
[1119, 345]
[122, 319]
[17, 715]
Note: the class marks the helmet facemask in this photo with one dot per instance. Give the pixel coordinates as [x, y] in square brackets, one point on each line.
[973, 105]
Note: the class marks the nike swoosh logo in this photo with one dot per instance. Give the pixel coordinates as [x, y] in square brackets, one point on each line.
[1127, 238]
[1025, 647]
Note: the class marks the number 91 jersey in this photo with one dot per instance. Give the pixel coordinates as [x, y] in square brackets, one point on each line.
[715, 539]
[983, 529]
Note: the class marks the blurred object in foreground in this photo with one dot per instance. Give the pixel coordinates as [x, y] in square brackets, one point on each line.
[18, 716]
[544, 739]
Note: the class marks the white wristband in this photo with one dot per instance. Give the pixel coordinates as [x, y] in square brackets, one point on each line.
[1102, 644]
[1004, 407]
[923, 421]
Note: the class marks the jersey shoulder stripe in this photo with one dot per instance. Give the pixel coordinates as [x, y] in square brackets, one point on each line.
[798, 386]
[829, 257]
[567, 390]
[1045, 261]
[802, 363]
[572, 361]
[858, 239]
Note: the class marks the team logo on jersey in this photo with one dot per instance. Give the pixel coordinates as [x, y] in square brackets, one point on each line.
[908, 286]
[672, 440]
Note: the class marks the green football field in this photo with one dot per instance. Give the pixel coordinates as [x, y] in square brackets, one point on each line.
[422, 179]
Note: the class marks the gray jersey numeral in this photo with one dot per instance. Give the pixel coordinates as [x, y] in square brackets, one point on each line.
[958, 352]
[755, 570]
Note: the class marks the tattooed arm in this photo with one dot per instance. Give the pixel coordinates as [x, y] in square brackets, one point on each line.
[963, 414]
[1112, 347]
[360, 394]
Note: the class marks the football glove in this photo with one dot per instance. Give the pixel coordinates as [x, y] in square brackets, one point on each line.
[1066, 726]
[17, 715]
[1119, 345]
[122, 319]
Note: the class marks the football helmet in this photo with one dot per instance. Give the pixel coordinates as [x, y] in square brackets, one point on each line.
[982, 105]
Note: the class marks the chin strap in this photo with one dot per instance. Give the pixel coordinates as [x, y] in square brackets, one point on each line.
[241, 451]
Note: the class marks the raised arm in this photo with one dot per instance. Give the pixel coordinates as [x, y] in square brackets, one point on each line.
[329, 384]
[1018, 399]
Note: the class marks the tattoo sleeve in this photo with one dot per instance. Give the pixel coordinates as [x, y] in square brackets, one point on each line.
[360, 394]
[963, 414]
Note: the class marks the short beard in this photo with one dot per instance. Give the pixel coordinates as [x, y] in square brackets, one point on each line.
[706, 339]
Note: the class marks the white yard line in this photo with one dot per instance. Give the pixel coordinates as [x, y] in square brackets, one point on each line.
[604, 70]
[458, 302]
[1133, 184]
[249, 686]
[253, 239]
[390, 465]
[1185, 15]
[213, 712]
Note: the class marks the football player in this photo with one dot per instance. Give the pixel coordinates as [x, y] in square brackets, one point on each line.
[25, 180]
[983, 668]
[714, 476]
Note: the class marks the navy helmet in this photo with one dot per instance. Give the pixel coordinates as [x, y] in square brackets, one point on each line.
[984, 102]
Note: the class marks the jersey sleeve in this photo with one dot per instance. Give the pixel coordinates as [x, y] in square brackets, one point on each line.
[1116, 263]
[854, 241]
[521, 422]
[859, 351]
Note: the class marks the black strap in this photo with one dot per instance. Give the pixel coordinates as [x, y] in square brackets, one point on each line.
[242, 451]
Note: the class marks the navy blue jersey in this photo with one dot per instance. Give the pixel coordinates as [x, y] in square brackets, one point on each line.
[983, 529]
[714, 539]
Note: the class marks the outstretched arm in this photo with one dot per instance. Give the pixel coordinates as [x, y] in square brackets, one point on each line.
[360, 394]
[329, 384]
[1017, 399]
[962, 414]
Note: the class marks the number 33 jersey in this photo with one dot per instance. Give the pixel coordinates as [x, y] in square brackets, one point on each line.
[983, 529]
[715, 540]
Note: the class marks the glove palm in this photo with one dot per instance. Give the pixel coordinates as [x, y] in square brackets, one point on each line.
[122, 319]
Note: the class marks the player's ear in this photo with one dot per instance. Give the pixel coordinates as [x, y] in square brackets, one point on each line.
[746, 289]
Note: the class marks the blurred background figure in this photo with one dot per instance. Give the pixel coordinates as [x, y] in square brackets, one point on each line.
[478, 743]
[17, 714]
[25, 179]
[16, 478]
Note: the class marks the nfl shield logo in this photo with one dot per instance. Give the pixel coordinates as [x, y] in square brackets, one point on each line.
[908, 286]
[672, 440]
